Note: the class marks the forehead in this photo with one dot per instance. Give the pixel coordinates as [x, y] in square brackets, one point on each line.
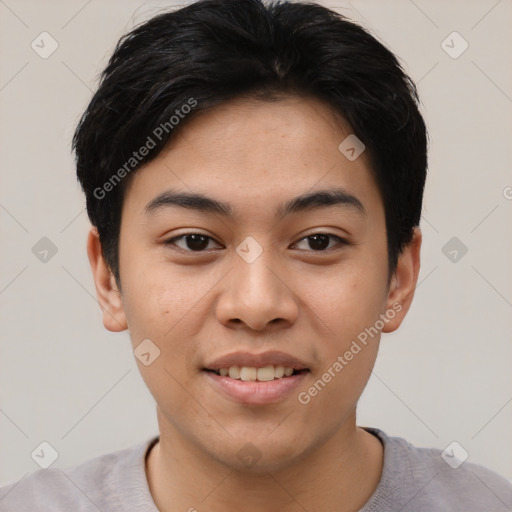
[252, 151]
[253, 131]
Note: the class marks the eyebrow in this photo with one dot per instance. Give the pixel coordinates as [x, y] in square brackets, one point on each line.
[305, 202]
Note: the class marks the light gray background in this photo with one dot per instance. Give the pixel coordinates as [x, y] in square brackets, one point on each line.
[445, 376]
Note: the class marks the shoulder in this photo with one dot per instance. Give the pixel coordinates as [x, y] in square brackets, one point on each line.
[98, 483]
[421, 479]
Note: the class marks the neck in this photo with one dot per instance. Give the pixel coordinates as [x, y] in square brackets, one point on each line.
[339, 475]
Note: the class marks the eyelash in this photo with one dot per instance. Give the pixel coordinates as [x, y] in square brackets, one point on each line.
[341, 242]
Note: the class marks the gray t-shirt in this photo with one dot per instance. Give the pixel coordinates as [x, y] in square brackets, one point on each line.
[413, 480]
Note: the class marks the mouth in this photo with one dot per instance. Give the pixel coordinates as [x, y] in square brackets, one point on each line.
[253, 374]
[256, 379]
[258, 385]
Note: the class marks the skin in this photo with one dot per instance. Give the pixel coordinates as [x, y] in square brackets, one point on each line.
[197, 306]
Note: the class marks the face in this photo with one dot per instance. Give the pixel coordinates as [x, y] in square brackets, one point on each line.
[276, 263]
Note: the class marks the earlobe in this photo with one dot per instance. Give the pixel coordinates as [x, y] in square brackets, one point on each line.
[403, 283]
[109, 297]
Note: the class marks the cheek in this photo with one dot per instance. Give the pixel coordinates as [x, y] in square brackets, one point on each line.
[161, 299]
[162, 308]
[347, 301]
[349, 308]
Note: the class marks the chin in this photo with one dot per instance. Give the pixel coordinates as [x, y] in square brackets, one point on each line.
[259, 456]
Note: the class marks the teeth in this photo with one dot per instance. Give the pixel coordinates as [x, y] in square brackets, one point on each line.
[234, 372]
[264, 374]
[248, 373]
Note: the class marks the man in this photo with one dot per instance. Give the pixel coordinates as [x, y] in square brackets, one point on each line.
[254, 177]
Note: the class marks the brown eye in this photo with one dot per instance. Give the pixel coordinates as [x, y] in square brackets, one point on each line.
[193, 242]
[320, 242]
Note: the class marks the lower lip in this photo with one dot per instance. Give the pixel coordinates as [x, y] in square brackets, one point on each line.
[256, 392]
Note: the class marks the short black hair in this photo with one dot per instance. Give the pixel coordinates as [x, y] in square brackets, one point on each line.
[178, 64]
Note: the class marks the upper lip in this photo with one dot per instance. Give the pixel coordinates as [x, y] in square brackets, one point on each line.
[272, 358]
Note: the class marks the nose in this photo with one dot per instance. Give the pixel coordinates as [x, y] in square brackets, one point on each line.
[258, 294]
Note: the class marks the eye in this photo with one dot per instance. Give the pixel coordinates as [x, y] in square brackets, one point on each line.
[197, 242]
[193, 242]
[319, 242]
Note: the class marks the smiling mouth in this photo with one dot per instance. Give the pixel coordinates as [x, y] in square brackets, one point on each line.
[252, 374]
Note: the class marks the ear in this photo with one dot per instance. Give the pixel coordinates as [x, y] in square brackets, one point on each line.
[403, 282]
[109, 297]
